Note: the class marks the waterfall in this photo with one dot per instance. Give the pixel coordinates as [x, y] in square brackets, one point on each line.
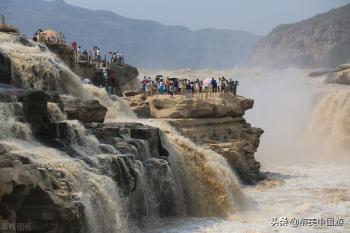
[117, 108]
[55, 112]
[329, 126]
[36, 67]
[11, 115]
[211, 186]
[117, 191]
[97, 193]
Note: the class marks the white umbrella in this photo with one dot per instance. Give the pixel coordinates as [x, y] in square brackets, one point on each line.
[207, 82]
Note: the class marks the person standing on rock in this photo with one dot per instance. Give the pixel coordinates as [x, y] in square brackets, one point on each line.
[149, 86]
[171, 90]
[212, 86]
[235, 85]
[188, 89]
[161, 87]
[74, 48]
[98, 56]
[219, 85]
[179, 87]
[184, 83]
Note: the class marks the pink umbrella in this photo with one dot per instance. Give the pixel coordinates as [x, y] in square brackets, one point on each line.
[207, 82]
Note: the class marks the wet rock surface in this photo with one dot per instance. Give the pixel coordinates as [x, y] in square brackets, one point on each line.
[131, 154]
[34, 199]
[233, 138]
[5, 68]
[222, 105]
[83, 110]
[215, 123]
[135, 134]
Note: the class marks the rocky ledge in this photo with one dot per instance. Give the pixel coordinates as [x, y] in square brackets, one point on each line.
[216, 123]
[131, 154]
[126, 75]
[83, 110]
[35, 199]
[341, 75]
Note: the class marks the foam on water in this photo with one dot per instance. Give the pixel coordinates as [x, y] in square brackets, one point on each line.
[36, 67]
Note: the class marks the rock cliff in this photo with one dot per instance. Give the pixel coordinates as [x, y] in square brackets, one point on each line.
[321, 41]
[43, 194]
[126, 75]
[216, 123]
[63, 169]
[341, 75]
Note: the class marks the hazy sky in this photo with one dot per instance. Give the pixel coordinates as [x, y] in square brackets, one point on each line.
[258, 16]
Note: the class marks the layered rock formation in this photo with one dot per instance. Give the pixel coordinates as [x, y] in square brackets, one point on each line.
[44, 196]
[63, 170]
[216, 123]
[322, 41]
[83, 110]
[341, 75]
[34, 199]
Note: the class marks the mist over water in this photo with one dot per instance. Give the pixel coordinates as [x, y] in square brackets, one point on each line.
[298, 115]
[305, 148]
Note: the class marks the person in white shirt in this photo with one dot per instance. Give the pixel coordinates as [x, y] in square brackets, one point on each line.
[98, 56]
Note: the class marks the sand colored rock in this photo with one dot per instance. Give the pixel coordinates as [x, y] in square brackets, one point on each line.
[341, 75]
[84, 110]
[222, 105]
[215, 123]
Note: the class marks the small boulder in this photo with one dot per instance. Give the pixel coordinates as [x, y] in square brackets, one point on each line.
[4, 149]
[86, 111]
[130, 93]
[340, 76]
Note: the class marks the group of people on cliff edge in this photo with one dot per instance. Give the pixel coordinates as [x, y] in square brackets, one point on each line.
[95, 56]
[186, 87]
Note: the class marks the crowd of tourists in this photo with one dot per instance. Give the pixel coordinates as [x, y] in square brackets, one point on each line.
[95, 55]
[187, 87]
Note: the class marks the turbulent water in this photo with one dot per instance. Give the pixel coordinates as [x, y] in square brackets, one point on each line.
[199, 182]
[37, 67]
[211, 185]
[302, 120]
[305, 145]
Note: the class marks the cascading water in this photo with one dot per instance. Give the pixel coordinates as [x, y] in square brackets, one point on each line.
[193, 181]
[329, 129]
[117, 108]
[98, 194]
[36, 67]
[212, 187]
[10, 125]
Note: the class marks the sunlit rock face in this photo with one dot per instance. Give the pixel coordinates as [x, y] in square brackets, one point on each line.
[215, 123]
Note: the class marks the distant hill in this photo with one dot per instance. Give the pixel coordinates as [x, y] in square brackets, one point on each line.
[146, 44]
[322, 41]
